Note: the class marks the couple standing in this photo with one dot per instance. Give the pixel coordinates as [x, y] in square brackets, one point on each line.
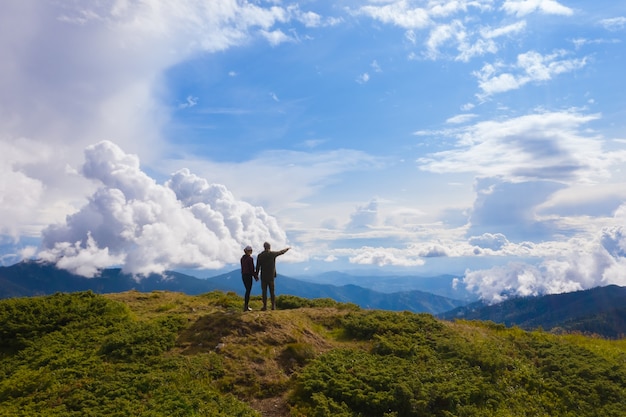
[266, 264]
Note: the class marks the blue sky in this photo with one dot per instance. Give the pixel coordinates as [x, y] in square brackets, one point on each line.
[480, 138]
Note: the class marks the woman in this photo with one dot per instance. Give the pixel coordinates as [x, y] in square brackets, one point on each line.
[247, 272]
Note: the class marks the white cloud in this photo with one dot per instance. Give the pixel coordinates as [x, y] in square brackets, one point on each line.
[376, 66]
[467, 50]
[310, 19]
[75, 73]
[514, 28]
[490, 241]
[20, 194]
[530, 67]
[452, 26]
[190, 101]
[364, 217]
[363, 78]
[441, 35]
[541, 146]
[510, 208]
[399, 13]
[525, 7]
[276, 37]
[385, 256]
[525, 168]
[614, 23]
[581, 265]
[597, 200]
[461, 118]
[411, 36]
[145, 227]
[306, 173]
[580, 42]
[36, 188]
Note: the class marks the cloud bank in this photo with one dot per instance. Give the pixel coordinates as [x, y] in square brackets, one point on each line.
[144, 227]
[582, 266]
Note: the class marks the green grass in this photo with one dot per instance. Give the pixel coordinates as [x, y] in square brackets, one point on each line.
[170, 354]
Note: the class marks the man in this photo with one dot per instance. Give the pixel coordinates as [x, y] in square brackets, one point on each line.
[247, 273]
[266, 264]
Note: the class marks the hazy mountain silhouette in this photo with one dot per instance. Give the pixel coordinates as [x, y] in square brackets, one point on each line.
[443, 285]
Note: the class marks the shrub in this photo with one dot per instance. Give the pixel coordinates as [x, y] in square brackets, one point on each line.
[365, 324]
[299, 353]
[135, 341]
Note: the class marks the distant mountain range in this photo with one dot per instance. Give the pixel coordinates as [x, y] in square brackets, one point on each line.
[443, 285]
[34, 278]
[600, 311]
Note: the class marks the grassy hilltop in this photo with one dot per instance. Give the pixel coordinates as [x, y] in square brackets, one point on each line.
[169, 354]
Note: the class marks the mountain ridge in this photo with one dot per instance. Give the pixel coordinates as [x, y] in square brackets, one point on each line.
[36, 278]
[599, 310]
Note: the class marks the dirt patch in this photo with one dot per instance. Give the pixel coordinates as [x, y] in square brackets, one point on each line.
[271, 407]
[262, 350]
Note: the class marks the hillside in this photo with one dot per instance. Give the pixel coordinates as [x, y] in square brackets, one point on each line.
[33, 278]
[170, 354]
[600, 311]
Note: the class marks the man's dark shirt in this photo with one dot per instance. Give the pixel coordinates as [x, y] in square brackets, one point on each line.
[266, 263]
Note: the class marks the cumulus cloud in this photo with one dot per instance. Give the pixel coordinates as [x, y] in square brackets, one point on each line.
[75, 73]
[574, 264]
[584, 264]
[144, 227]
[495, 241]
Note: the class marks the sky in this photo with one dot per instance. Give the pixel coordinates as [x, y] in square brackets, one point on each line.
[480, 138]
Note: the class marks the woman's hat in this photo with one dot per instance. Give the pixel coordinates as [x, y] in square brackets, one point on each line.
[247, 248]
